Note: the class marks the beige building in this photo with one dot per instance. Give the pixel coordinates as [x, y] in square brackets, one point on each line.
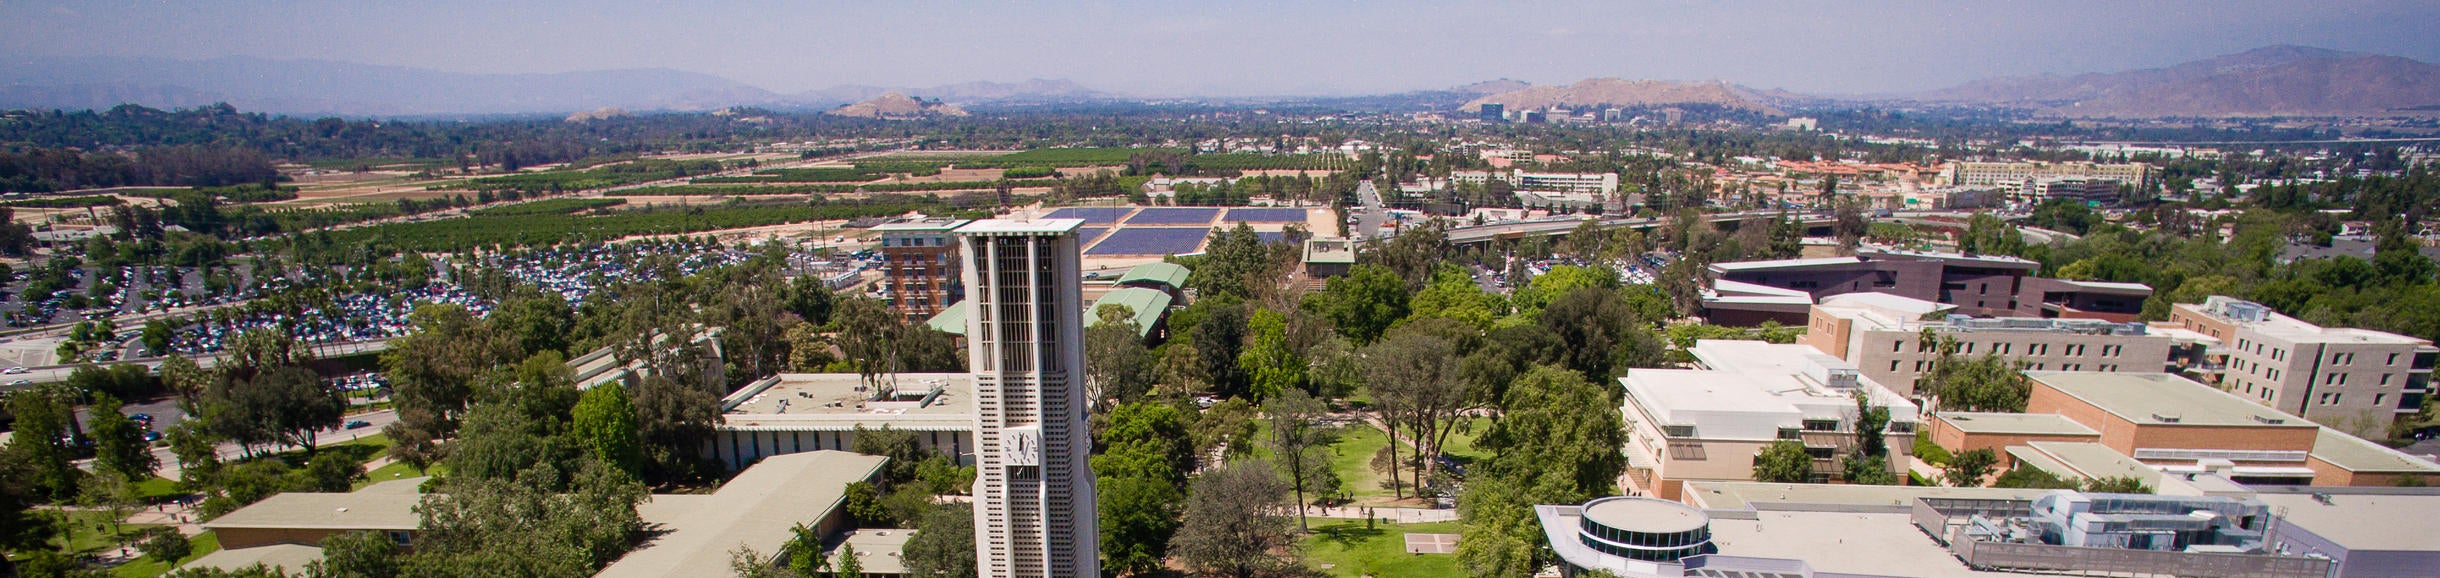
[2356, 380]
[2014, 176]
[1883, 336]
[1709, 423]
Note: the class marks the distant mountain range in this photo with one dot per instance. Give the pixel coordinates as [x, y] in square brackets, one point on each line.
[2277, 80]
[312, 87]
[1622, 92]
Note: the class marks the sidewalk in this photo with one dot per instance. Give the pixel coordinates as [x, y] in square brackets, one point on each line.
[1399, 515]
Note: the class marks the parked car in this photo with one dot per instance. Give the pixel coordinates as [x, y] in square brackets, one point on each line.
[14, 370]
[358, 424]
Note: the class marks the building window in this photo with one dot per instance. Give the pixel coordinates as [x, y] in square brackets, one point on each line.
[1789, 433]
[2377, 398]
[1688, 451]
[1894, 345]
[1893, 365]
[1678, 431]
[1821, 425]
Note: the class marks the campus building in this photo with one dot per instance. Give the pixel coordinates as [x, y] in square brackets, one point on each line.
[1883, 336]
[2091, 425]
[1033, 493]
[790, 413]
[2016, 176]
[1593, 183]
[1709, 423]
[1784, 290]
[2357, 380]
[1755, 530]
[693, 533]
[920, 262]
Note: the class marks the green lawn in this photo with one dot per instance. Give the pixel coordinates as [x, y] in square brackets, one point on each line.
[1353, 550]
[1461, 442]
[92, 530]
[147, 567]
[158, 489]
[364, 449]
[396, 471]
[1353, 461]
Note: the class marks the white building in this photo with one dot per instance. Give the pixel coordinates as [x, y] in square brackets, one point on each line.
[801, 412]
[1033, 493]
[2355, 380]
[1709, 423]
[1882, 334]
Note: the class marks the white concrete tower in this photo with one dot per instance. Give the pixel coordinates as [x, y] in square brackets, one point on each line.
[1033, 491]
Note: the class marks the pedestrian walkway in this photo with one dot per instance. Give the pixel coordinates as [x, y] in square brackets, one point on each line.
[1399, 515]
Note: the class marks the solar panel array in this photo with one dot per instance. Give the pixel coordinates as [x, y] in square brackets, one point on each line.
[1086, 235]
[1092, 215]
[1174, 216]
[1269, 237]
[1150, 241]
[1266, 215]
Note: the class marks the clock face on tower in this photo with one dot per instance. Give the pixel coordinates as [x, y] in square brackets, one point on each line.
[1023, 445]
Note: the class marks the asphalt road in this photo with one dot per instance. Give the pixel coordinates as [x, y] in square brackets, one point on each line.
[1369, 222]
[374, 420]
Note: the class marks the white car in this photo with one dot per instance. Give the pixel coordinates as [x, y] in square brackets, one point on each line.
[14, 370]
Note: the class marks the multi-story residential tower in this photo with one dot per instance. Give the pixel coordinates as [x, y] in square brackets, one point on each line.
[1033, 489]
[1883, 335]
[921, 262]
[2356, 380]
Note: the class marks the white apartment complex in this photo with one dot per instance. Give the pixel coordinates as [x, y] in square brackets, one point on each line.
[1883, 335]
[1599, 183]
[2015, 176]
[1709, 423]
[1033, 492]
[2354, 380]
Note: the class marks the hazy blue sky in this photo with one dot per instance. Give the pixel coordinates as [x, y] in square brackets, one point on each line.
[1233, 48]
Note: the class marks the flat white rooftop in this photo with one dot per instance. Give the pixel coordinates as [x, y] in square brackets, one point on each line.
[842, 401]
[1843, 543]
[1751, 389]
[2363, 522]
[1020, 227]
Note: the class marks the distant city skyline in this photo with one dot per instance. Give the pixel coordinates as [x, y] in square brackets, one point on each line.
[1234, 49]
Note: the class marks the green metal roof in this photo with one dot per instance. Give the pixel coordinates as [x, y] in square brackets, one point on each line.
[1171, 274]
[952, 319]
[1148, 304]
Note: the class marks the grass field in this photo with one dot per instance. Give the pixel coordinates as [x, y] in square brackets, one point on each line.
[204, 543]
[1353, 461]
[396, 471]
[1350, 549]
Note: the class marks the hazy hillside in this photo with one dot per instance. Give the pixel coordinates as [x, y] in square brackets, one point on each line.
[897, 106]
[307, 87]
[2271, 80]
[1622, 92]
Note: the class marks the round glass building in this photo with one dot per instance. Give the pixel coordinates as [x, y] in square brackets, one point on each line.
[1644, 529]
